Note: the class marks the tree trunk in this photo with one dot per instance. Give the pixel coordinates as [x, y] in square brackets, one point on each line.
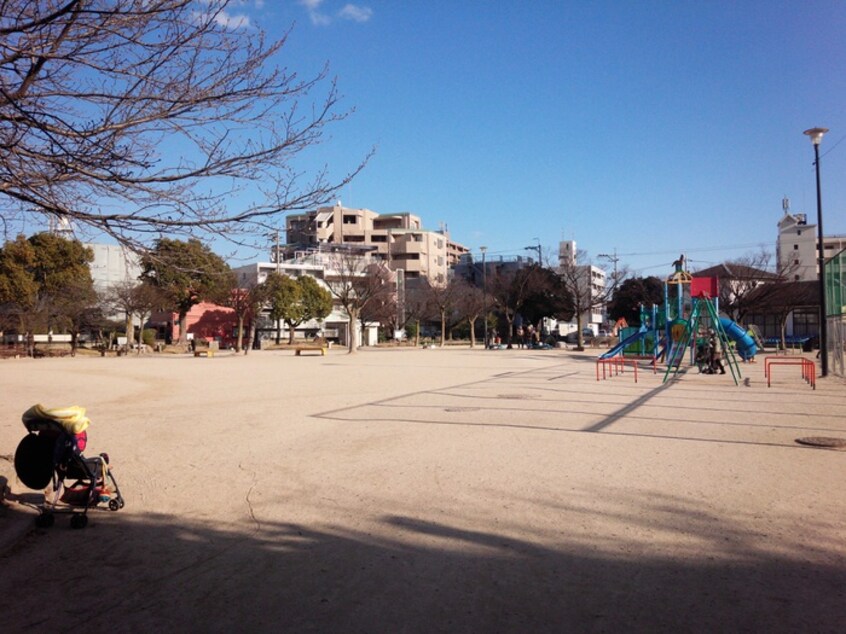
[278, 331]
[352, 326]
[239, 341]
[183, 328]
[443, 328]
[580, 340]
[290, 333]
[472, 321]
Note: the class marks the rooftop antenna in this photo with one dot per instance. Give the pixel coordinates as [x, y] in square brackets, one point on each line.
[785, 204]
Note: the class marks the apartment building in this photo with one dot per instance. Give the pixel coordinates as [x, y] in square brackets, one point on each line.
[590, 278]
[796, 248]
[323, 267]
[399, 239]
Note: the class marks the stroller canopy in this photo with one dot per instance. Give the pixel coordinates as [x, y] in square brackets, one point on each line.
[72, 419]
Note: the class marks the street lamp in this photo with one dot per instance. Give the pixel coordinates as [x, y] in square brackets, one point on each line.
[816, 135]
[485, 291]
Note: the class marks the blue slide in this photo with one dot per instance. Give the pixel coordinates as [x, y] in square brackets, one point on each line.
[640, 334]
[745, 345]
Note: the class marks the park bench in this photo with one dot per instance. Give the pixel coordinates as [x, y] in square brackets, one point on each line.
[319, 344]
[204, 348]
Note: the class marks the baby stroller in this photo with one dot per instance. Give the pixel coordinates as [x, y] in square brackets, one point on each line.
[52, 453]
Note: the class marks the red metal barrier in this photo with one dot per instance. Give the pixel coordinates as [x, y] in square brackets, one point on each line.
[806, 366]
[615, 365]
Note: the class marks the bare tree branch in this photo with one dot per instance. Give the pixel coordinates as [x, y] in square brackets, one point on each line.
[145, 118]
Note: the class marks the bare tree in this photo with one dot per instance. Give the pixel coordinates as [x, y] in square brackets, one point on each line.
[472, 304]
[577, 278]
[356, 282]
[444, 300]
[509, 290]
[417, 307]
[142, 118]
[134, 299]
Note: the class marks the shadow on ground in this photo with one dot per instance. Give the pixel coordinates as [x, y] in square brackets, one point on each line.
[126, 573]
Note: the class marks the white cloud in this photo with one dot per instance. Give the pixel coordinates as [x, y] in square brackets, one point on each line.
[317, 18]
[232, 21]
[356, 13]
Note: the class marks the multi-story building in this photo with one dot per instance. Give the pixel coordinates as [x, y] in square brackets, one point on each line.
[796, 248]
[399, 239]
[591, 281]
[324, 267]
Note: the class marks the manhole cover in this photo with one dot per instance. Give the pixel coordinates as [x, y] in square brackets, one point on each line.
[823, 442]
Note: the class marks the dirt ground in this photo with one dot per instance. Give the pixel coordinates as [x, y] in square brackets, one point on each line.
[433, 491]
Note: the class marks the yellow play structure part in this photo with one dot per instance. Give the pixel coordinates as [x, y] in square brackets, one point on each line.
[72, 419]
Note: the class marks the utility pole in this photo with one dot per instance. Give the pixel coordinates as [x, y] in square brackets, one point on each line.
[537, 248]
[611, 258]
[485, 291]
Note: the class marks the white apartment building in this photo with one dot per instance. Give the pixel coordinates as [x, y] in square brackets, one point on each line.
[796, 248]
[590, 276]
[399, 239]
[112, 264]
[320, 266]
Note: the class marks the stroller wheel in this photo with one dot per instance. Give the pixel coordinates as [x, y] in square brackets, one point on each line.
[114, 504]
[45, 520]
[78, 520]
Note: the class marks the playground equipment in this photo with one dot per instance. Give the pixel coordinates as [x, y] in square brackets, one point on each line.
[690, 311]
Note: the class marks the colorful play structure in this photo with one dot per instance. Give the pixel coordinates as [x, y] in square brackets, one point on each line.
[673, 332]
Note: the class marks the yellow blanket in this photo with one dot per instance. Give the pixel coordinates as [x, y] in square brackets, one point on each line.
[72, 418]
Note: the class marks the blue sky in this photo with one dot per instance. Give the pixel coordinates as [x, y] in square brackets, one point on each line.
[652, 128]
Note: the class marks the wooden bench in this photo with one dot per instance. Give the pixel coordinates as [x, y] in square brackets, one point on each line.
[318, 345]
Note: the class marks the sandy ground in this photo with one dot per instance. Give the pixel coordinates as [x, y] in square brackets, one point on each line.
[433, 491]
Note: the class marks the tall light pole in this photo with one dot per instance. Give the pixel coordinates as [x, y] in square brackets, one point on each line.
[816, 135]
[485, 291]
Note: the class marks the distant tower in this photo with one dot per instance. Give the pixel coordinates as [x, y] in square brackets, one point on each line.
[567, 253]
[60, 226]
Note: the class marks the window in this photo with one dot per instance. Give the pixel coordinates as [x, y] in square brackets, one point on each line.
[795, 247]
[350, 220]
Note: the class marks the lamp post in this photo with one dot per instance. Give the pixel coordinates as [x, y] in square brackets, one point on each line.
[485, 291]
[816, 135]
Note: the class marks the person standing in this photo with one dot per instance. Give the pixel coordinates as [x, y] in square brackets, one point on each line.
[716, 352]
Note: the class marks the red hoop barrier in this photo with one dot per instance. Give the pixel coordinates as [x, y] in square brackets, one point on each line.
[616, 365]
[807, 367]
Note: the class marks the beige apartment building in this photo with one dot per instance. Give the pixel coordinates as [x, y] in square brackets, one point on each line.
[399, 240]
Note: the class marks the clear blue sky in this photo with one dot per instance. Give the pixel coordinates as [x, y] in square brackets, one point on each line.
[652, 128]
